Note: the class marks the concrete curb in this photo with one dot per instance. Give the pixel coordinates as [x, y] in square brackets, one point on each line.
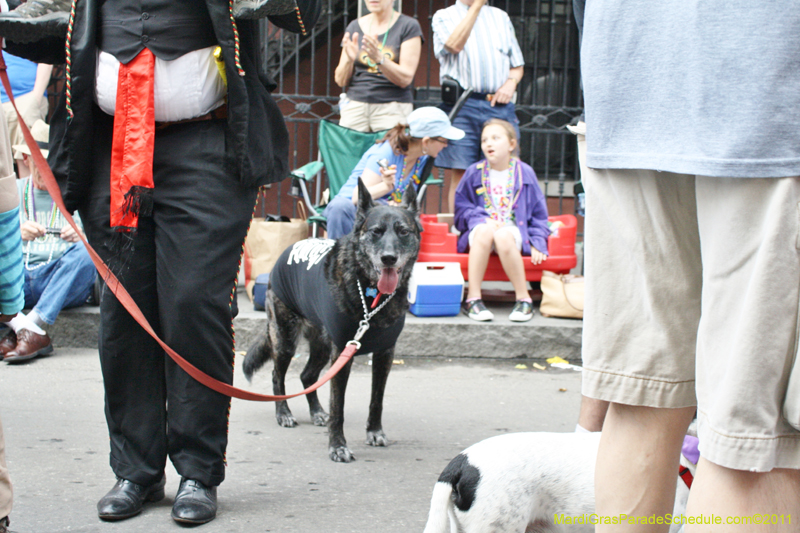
[451, 337]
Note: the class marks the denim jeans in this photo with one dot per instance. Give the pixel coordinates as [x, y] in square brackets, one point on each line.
[64, 283]
[341, 215]
[463, 152]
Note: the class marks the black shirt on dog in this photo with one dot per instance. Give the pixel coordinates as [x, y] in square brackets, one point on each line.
[298, 280]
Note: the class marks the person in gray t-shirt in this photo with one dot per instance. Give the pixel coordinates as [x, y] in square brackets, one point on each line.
[380, 55]
[692, 254]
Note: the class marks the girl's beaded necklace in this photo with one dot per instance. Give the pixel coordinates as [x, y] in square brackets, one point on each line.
[402, 185]
[30, 214]
[501, 212]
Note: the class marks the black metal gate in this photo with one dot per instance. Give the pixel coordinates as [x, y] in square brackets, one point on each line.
[548, 97]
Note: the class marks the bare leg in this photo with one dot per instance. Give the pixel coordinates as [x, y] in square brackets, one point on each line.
[479, 252]
[511, 260]
[637, 464]
[593, 413]
[453, 177]
[725, 492]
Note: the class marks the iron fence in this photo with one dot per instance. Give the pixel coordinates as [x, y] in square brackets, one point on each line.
[548, 97]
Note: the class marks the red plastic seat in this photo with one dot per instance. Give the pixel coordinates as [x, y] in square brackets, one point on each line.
[438, 244]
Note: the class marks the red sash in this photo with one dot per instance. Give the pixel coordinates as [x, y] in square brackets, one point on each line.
[133, 142]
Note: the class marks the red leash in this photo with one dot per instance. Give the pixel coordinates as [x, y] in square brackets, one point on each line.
[686, 475]
[125, 299]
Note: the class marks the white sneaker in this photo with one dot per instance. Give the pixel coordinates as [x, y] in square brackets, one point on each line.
[522, 312]
[477, 311]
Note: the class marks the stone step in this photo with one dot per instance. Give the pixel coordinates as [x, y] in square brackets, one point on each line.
[449, 337]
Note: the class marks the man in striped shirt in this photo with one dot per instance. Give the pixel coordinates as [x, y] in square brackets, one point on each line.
[476, 46]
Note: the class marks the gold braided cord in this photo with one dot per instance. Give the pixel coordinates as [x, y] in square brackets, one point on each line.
[236, 44]
[68, 44]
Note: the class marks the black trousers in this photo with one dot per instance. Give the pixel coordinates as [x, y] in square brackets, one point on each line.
[181, 271]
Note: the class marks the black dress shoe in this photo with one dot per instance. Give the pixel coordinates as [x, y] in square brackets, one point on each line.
[125, 499]
[195, 503]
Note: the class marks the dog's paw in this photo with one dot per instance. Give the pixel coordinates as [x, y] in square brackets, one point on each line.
[320, 418]
[377, 438]
[287, 421]
[341, 454]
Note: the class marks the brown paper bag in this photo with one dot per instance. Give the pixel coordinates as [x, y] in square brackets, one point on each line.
[562, 295]
[266, 241]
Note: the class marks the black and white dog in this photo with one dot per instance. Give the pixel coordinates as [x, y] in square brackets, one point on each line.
[323, 289]
[524, 482]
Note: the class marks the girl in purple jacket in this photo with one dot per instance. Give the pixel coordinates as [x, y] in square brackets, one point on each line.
[500, 207]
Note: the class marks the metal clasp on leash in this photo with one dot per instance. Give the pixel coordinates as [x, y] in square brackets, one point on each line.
[363, 326]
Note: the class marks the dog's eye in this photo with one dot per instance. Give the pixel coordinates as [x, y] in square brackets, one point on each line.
[403, 232]
[378, 231]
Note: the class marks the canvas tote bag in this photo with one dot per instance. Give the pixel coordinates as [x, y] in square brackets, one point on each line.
[562, 295]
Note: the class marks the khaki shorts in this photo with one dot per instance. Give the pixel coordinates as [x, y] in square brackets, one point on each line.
[361, 116]
[692, 296]
[513, 230]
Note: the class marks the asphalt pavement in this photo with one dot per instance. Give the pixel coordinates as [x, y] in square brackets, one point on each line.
[278, 479]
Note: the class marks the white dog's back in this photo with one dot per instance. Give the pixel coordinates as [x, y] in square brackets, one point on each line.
[515, 483]
[520, 482]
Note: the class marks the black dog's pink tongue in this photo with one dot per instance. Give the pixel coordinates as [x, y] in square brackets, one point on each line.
[388, 282]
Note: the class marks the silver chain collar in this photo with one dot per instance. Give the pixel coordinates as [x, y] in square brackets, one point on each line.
[363, 324]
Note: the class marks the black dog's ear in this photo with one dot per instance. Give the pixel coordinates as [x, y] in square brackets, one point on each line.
[410, 202]
[365, 203]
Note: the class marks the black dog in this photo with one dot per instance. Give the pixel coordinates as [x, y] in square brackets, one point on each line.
[314, 289]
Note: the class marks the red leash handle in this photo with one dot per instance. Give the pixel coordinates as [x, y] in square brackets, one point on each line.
[125, 298]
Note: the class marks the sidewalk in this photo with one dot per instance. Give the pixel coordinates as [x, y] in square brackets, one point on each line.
[456, 336]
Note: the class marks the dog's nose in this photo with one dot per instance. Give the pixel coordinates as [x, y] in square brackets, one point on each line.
[389, 260]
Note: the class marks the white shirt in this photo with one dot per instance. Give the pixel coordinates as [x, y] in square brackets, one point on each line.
[187, 87]
[498, 189]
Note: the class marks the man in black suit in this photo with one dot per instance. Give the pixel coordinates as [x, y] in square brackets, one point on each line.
[168, 209]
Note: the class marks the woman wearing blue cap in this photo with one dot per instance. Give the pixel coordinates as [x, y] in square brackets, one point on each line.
[405, 150]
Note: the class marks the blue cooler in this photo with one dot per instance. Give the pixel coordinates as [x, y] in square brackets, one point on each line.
[435, 289]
